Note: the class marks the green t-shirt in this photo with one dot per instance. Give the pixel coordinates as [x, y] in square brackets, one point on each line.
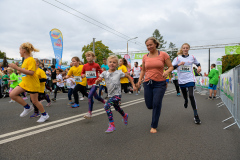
[213, 76]
[5, 80]
[14, 84]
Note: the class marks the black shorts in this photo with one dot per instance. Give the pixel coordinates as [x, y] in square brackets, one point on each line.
[135, 80]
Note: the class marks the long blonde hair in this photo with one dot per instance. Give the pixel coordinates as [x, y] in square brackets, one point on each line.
[180, 52]
[29, 48]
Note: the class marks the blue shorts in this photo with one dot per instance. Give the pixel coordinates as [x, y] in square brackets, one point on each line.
[214, 87]
[167, 80]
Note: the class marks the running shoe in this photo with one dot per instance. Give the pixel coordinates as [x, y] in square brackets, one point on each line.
[110, 129]
[81, 99]
[25, 98]
[209, 98]
[26, 111]
[49, 104]
[197, 120]
[35, 115]
[53, 99]
[12, 101]
[129, 92]
[178, 94]
[185, 104]
[43, 118]
[88, 116]
[75, 105]
[125, 119]
[70, 103]
[136, 94]
[213, 98]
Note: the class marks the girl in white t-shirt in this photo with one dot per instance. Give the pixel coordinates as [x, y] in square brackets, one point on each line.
[60, 84]
[70, 83]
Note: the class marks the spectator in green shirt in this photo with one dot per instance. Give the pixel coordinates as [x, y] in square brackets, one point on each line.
[5, 79]
[13, 80]
[213, 81]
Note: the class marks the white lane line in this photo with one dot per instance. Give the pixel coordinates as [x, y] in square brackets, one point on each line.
[69, 118]
[55, 126]
[57, 121]
[219, 103]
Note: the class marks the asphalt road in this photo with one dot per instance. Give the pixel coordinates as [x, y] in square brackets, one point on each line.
[67, 135]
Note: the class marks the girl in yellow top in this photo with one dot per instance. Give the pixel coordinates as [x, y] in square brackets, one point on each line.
[81, 83]
[41, 94]
[30, 82]
[124, 81]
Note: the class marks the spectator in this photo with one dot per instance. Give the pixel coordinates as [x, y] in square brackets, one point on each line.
[53, 76]
[195, 72]
[213, 81]
[104, 65]
[1, 67]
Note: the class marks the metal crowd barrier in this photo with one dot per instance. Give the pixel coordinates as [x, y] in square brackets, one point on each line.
[228, 89]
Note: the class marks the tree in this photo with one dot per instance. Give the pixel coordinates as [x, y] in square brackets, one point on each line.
[101, 51]
[159, 37]
[230, 61]
[173, 52]
[65, 63]
[2, 55]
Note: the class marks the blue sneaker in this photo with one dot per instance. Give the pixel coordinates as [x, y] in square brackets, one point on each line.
[70, 103]
[35, 115]
[75, 105]
[178, 94]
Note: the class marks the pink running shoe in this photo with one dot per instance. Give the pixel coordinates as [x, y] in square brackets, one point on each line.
[110, 129]
[25, 98]
[125, 119]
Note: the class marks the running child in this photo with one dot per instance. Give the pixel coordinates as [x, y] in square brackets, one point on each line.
[70, 83]
[60, 84]
[186, 77]
[19, 75]
[103, 86]
[13, 81]
[112, 79]
[30, 82]
[90, 71]
[76, 71]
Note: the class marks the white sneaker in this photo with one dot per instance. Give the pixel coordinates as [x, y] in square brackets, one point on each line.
[12, 101]
[129, 93]
[49, 104]
[81, 99]
[138, 92]
[88, 116]
[43, 118]
[26, 111]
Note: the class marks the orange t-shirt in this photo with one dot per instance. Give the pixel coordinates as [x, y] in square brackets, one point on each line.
[154, 67]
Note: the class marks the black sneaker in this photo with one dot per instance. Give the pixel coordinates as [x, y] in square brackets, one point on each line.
[53, 99]
[185, 104]
[209, 98]
[213, 98]
[197, 120]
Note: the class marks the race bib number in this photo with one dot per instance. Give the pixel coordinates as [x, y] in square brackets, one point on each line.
[24, 75]
[78, 78]
[102, 83]
[91, 74]
[184, 68]
[68, 85]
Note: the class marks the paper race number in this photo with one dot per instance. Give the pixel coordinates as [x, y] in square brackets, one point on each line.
[78, 78]
[91, 74]
[185, 68]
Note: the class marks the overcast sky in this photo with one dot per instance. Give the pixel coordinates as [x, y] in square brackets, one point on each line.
[197, 22]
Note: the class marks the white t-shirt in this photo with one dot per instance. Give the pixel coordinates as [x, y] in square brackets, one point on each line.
[185, 72]
[59, 77]
[70, 83]
[136, 71]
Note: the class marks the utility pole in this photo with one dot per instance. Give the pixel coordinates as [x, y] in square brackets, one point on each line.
[208, 60]
[94, 45]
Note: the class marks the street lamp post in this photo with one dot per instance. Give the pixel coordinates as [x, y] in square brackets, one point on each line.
[130, 40]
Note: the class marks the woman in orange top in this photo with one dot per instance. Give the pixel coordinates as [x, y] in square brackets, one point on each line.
[155, 79]
[30, 82]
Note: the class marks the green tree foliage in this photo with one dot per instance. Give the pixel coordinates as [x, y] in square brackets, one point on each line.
[172, 53]
[230, 61]
[159, 37]
[101, 51]
[64, 63]
[2, 54]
